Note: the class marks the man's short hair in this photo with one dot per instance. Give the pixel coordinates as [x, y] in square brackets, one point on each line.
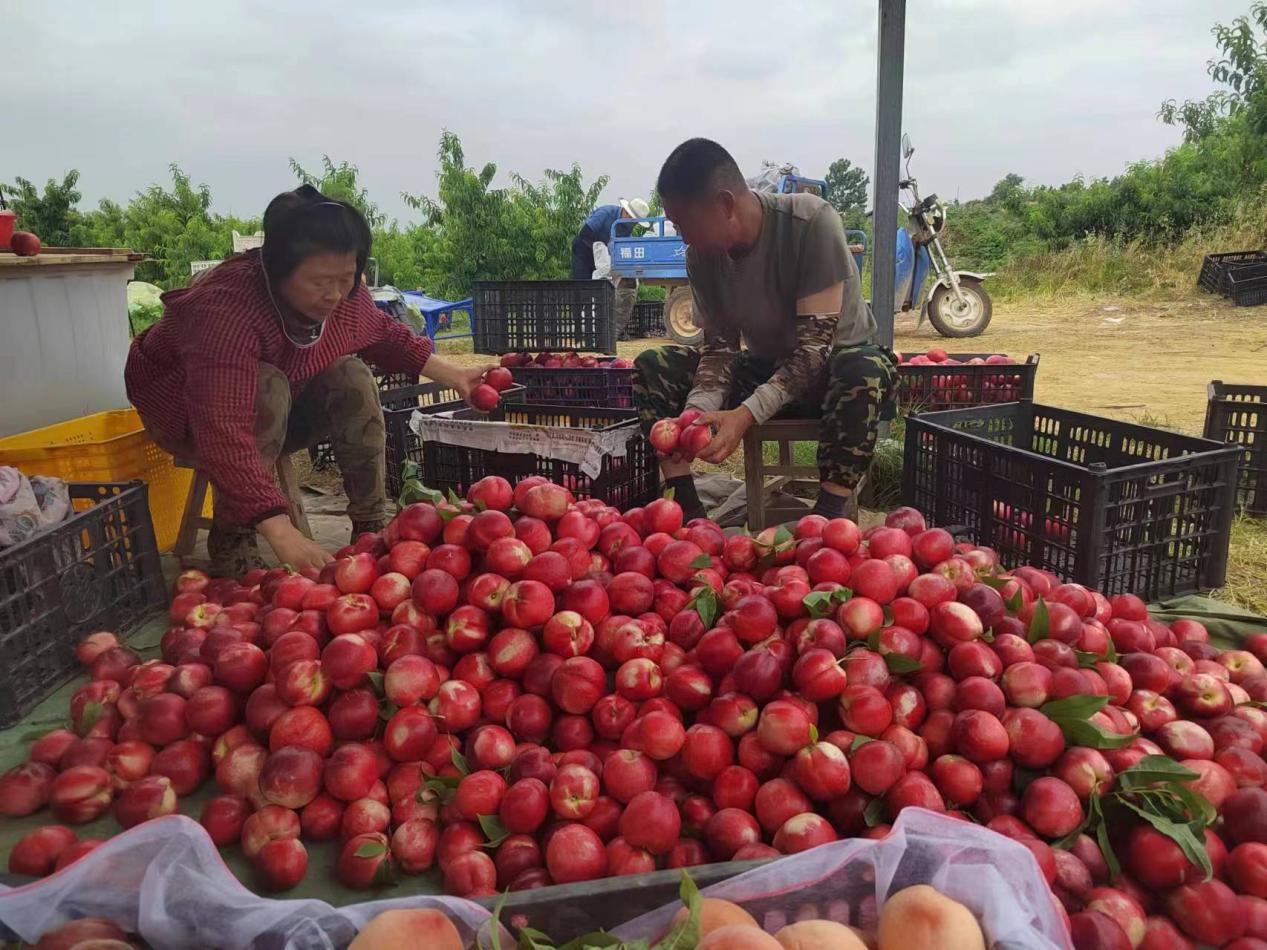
[696, 168]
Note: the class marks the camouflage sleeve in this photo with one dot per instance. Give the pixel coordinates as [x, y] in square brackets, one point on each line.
[716, 361]
[796, 373]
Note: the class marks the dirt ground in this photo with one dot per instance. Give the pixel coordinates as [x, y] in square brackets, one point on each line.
[1146, 361]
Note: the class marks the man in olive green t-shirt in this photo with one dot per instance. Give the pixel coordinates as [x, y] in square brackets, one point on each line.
[779, 298]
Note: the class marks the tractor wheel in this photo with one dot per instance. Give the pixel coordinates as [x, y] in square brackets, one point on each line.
[679, 317]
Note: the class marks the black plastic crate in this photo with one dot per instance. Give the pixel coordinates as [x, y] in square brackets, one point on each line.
[555, 315]
[623, 481]
[647, 321]
[1119, 507]
[1246, 284]
[1214, 268]
[608, 387]
[399, 405]
[387, 380]
[98, 570]
[932, 388]
[567, 911]
[1238, 413]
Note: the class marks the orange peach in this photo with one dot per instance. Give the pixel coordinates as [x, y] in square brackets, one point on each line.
[920, 916]
[819, 935]
[715, 913]
[394, 929]
[738, 937]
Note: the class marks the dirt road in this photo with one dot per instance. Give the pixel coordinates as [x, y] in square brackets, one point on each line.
[1144, 361]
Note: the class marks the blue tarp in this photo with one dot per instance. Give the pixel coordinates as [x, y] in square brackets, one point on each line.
[429, 309]
[431, 305]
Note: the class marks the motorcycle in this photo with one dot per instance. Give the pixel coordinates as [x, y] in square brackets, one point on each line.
[957, 305]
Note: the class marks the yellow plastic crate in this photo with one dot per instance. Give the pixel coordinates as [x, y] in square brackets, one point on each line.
[110, 446]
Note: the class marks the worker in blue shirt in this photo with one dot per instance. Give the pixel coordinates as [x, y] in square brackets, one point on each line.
[598, 228]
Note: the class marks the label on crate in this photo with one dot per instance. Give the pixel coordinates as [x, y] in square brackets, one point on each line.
[583, 447]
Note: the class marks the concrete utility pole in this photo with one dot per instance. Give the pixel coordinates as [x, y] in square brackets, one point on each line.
[890, 52]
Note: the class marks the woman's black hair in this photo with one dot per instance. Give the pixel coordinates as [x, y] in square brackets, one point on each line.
[302, 222]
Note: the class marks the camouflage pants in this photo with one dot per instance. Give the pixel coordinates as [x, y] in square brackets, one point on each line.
[340, 404]
[856, 390]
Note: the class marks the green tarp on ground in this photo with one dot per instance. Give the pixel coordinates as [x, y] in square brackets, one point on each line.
[1228, 625]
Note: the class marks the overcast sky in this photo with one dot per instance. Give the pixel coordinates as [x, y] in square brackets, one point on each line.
[231, 89]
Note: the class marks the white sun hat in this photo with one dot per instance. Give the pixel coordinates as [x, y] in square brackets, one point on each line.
[636, 207]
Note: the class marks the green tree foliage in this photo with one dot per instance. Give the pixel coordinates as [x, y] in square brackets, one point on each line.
[173, 226]
[847, 186]
[486, 233]
[50, 214]
[401, 252]
[470, 231]
[1241, 68]
[340, 183]
[556, 207]
[471, 218]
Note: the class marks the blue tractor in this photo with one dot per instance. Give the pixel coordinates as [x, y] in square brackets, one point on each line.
[956, 303]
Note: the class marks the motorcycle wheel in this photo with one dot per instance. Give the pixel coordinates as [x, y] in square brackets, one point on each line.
[679, 317]
[952, 319]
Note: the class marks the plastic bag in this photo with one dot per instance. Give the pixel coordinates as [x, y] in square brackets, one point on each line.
[768, 178]
[995, 877]
[28, 506]
[165, 881]
[602, 261]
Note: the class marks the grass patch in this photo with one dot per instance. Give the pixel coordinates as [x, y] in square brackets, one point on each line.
[1100, 265]
[1147, 418]
[1247, 565]
[884, 481]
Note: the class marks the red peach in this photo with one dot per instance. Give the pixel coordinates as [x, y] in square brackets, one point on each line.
[573, 791]
[707, 750]
[627, 773]
[36, 853]
[270, 823]
[186, 762]
[979, 736]
[802, 832]
[1207, 911]
[365, 860]
[783, 727]
[651, 821]
[575, 853]
[223, 817]
[80, 794]
[729, 830]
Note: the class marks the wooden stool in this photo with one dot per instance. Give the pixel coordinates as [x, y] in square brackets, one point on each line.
[192, 521]
[783, 432]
